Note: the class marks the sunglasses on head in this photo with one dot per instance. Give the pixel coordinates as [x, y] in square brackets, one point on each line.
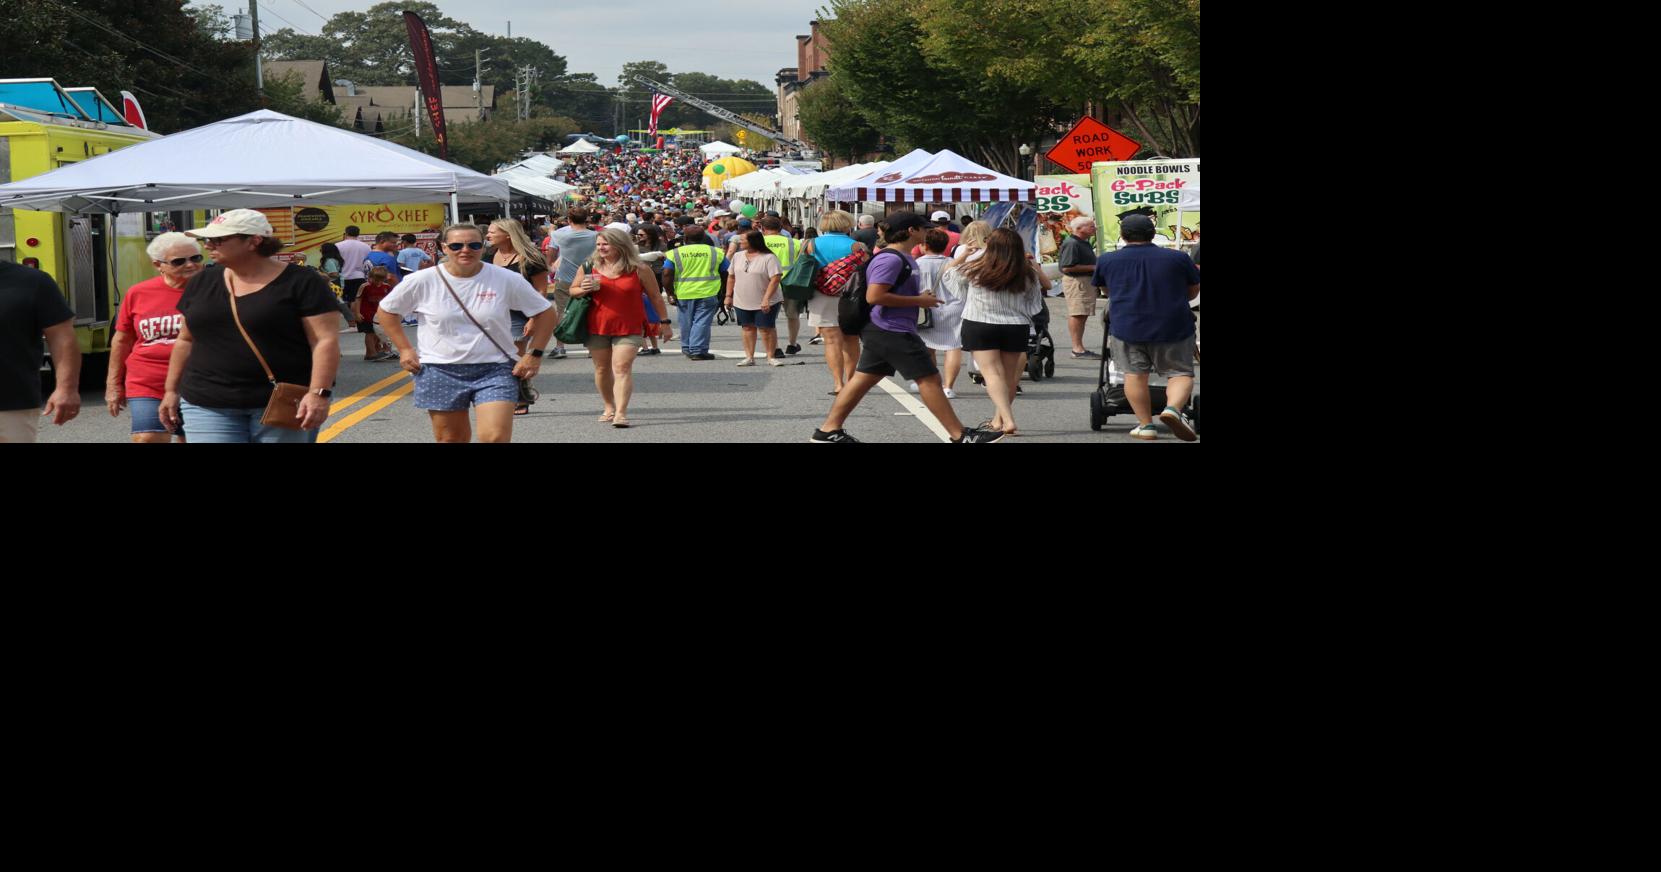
[181, 261]
[458, 246]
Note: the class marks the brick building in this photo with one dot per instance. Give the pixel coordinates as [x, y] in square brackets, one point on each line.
[812, 54]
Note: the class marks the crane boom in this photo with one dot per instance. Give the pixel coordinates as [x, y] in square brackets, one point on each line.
[724, 115]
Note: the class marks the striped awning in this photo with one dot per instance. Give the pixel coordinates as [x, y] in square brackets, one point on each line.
[943, 195]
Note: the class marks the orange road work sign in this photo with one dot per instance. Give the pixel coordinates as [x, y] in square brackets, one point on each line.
[1090, 141]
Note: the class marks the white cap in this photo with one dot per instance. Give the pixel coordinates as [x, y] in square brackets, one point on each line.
[940, 216]
[245, 222]
[633, 217]
[620, 226]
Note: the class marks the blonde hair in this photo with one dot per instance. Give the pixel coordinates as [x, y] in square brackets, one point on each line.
[529, 254]
[977, 234]
[379, 273]
[836, 221]
[627, 254]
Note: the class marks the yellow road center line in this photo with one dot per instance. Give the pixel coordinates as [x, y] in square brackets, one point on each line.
[360, 415]
[343, 405]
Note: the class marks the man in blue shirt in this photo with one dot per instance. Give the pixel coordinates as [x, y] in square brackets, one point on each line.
[411, 258]
[383, 254]
[1150, 326]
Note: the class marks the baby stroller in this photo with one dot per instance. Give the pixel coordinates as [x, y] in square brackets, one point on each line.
[1041, 347]
[1109, 399]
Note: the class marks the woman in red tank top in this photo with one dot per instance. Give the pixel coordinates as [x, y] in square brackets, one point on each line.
[615, 279]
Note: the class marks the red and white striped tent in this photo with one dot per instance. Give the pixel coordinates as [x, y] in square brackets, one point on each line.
[946, 177]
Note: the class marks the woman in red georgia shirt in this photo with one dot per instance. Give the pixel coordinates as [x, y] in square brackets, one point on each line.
[145, 331]
[615, 278]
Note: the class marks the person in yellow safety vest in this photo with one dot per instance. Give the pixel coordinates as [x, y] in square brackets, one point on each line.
[786, 250]
[692, 275]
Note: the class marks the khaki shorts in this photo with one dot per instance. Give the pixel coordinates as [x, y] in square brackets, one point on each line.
[603, 343]
[1081, 296]
[1145, 358]
[21, 427]
[821, 311]
[561, 297]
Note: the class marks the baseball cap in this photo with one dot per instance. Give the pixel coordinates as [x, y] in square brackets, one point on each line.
[940, 216]
[1136, 224]
[745, 224]
[904, 221]
[618, 225]
[245, 222]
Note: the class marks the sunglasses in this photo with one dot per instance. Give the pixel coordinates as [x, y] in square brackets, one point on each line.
[471, 246]
[212, 241]
[181, 261]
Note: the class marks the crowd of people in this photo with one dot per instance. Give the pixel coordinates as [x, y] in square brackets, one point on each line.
[205, 352]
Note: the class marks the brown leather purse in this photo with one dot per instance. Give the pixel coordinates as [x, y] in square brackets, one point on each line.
[283, 411]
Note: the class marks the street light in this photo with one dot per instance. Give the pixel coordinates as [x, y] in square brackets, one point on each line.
[1026, 152]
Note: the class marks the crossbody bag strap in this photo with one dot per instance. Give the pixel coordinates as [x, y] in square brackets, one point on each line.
[457, 297]
[269, 375]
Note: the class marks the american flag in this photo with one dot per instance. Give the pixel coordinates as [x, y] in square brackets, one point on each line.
[659, 103]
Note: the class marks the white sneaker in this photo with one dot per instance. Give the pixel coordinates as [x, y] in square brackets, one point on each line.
[913, 388]
[773, 361]
[951, 394]
[747, 362]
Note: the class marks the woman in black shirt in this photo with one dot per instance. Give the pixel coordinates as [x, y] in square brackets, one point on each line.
[215, 384]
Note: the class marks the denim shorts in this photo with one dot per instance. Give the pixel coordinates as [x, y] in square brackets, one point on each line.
[239, 426]
[147, 416]
[767, 320]
[453, 387]
[518, 321]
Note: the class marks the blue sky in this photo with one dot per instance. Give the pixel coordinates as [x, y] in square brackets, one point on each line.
[733, 40]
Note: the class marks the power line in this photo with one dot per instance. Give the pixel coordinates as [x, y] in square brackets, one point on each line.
[289, 23]
[311, 10]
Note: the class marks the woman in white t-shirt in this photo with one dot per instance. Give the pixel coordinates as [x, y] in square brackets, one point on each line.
[465, 358]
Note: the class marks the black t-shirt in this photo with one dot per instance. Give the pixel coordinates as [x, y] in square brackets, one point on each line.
[30, 302]
[1077, 252]
[223, 372]
[867, 236]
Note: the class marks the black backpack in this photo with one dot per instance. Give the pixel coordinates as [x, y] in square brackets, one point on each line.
[853, 312]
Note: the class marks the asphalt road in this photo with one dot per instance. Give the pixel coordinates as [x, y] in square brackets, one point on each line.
[677, 400]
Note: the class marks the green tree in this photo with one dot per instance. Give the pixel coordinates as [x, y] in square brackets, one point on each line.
[834, 122]
[183, 76]
[947, 99]
[501, 140]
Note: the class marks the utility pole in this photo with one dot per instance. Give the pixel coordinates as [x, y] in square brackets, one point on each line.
[478, 90]
[259, 74]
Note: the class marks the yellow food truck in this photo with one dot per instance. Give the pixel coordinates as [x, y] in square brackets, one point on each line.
[93, 258]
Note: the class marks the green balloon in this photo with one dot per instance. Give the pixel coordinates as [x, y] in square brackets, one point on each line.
[750, 211]
[718, 169]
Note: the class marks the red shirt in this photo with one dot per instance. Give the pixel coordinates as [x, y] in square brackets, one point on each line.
[619, 307]
[150, 315]
[372, 294]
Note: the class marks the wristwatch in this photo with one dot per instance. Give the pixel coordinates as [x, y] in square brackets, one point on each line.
[325, 393]
[537, 352]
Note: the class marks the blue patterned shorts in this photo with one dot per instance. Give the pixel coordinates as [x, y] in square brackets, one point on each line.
[454, 387]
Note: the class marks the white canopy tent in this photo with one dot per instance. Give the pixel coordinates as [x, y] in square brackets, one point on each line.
[536, 185]
[581, 146]
[719, 149]
[814, 185]
[260, 160]
[541, 164]
[946, 177]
